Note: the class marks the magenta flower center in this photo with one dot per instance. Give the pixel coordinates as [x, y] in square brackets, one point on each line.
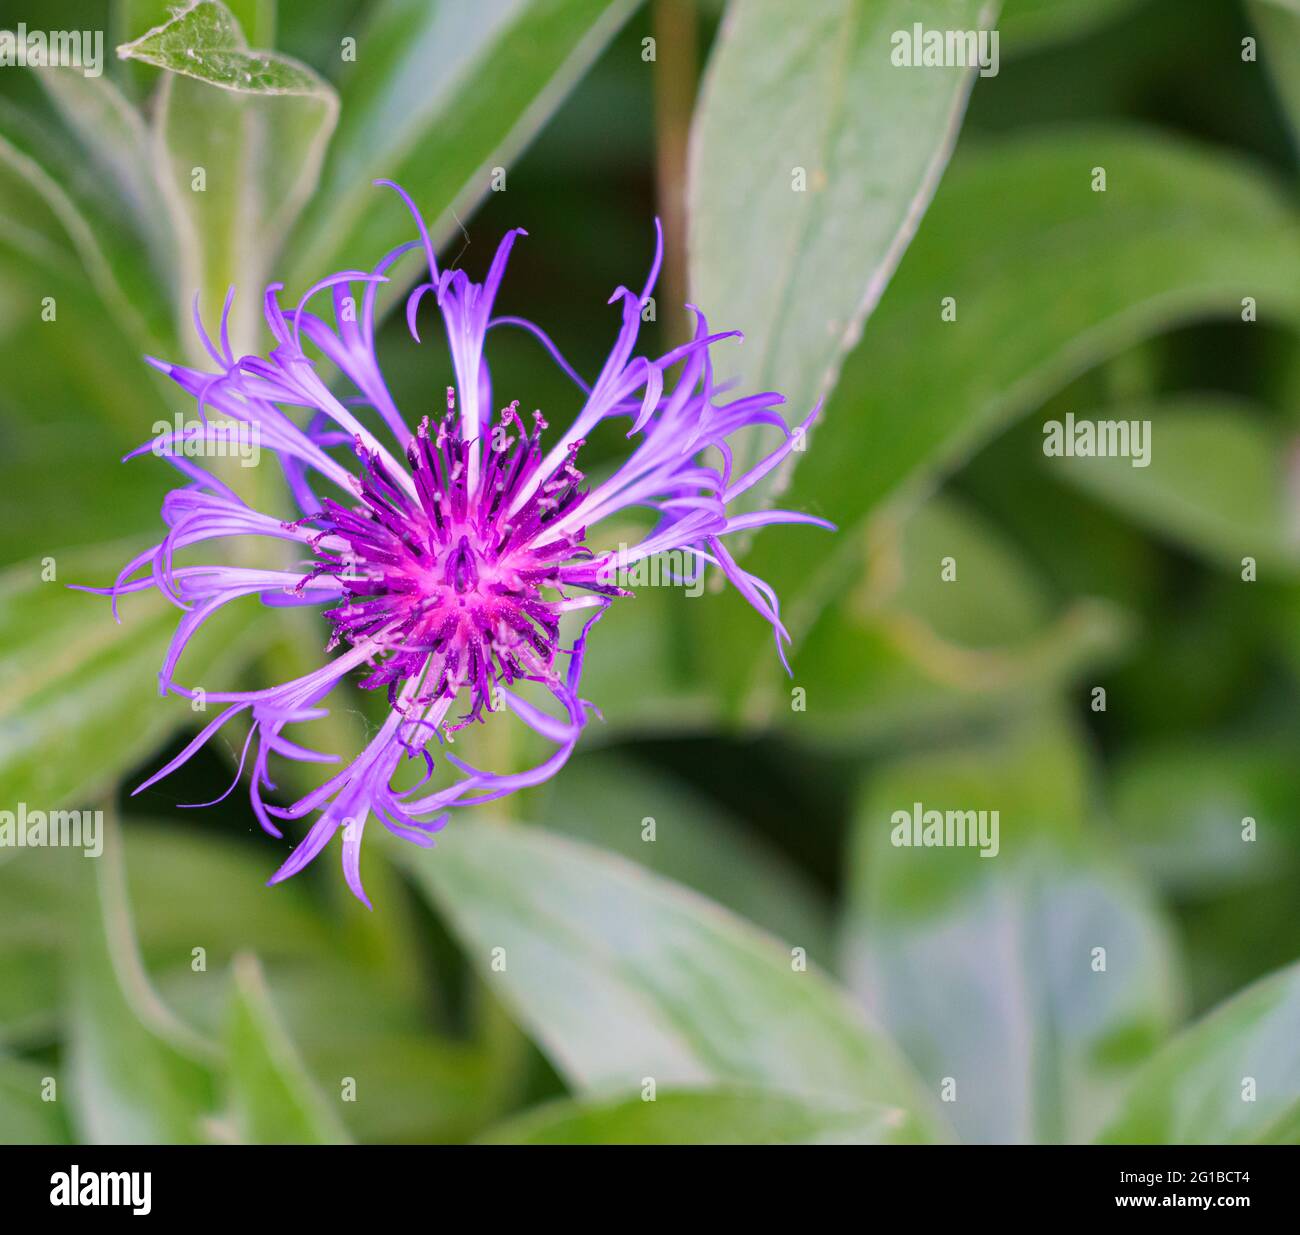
[458, 586]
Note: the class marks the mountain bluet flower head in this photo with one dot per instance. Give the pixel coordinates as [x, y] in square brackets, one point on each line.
[448, 555]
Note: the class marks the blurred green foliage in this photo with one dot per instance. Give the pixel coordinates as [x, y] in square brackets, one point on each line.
[768, 967]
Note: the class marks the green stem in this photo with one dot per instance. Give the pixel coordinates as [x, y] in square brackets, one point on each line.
[674, 92]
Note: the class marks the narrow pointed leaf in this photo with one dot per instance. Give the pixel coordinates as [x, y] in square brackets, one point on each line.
[440, 93]
[137, 1075]
[814, 156]
[274, 1099]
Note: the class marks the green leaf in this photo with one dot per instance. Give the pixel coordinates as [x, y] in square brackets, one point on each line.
[621, 976]
[188, 889]
[695, 843]
[908, 649]
[709, 1117]
[273, 1097]
[114, 139]
[29, 993]
[813, 158]
[397, 1079]
[633, 669]
[204, 41]
[1179, 233]
[35, 888]
[1179, 810]
[134, 18]
[241, 135]
[1232, 1078]
[411, 1088]
[72, 680]
[216, 898]
[985, 968]
[136, 1074]
[438, 94]
[36, 246]
[194, 889]
[1277, 23]
[1028, 25]
[26, 1118]
[954, 570]
[1218, 480]
[77, 215]
[257, 18]
[97, 401]
[1078, 548]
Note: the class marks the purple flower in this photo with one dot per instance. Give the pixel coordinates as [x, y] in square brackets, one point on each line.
[448, 574]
